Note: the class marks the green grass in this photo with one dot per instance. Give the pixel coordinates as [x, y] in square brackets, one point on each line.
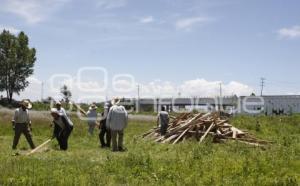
[148, 163]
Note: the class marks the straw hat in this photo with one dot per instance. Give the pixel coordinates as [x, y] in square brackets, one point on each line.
[54, 111]
[93, 107]
[26, 103]
[58, 103]
[115, 101]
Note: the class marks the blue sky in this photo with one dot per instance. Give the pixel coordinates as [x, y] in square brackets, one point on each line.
[171, 45]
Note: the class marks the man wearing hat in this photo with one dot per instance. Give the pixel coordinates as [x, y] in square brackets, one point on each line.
[62, 128]
[92, 118]
[60, 109]
[117, 121]
[22, 124]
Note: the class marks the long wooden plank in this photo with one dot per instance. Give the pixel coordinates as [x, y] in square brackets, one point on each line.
[208, 130]
[234, 134]
[182, 134]
[170, 138]
[159, 139]
[39, 147]
[252, 144]
[79, 109]
[184, 126]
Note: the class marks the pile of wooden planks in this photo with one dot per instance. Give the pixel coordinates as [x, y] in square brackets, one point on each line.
[199, 126]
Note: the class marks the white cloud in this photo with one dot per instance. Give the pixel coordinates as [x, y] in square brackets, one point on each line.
[148, 19]
[158, 88]
[10, 29]
[153, 89]
[237, 88]
[289, 33]
[188, 23]
[33, 11]
[33, 91]
[192, 88]
[110, 4]
[202, 87]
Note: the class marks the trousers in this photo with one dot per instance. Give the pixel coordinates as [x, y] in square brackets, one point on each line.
[117, 139]
[62, 136]
[104, 132]
[22, 128]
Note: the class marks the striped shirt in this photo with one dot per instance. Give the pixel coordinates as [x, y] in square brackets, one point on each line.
[21, 116]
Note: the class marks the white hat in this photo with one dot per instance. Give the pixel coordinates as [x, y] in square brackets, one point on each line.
[93, 107]
[115, 101]
[55, 111]
[26, 103]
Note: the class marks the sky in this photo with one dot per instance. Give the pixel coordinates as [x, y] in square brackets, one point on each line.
[170, 48]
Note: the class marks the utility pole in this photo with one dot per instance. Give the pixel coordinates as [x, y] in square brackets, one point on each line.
[220, 90]
[42, 91]
[220, 99]
[262, 85]
[138, 99]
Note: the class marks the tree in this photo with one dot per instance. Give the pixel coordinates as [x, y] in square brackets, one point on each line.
[17, 60]
[66, 93]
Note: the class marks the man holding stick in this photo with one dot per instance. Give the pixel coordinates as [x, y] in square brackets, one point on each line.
[62, 128]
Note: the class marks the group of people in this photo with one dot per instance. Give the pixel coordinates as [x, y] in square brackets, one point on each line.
[113, 122]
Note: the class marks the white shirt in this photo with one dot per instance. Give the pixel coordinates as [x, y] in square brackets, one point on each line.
[61, 123]
[117, 118]
[92, 115]
[21, 116]
[63, 112]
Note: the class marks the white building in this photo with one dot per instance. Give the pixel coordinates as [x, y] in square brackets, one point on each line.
[270, 105]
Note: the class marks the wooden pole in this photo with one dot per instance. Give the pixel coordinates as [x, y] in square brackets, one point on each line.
[39, 147]
[208, 130]
[80, 109]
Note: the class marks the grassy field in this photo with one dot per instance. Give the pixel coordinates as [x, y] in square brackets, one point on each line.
[147, 163]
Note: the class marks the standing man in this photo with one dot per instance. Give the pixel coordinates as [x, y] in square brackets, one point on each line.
[62, 128]
[117, 121]
[163, 121]
[92, 118]
[104, 130]
[22, 124]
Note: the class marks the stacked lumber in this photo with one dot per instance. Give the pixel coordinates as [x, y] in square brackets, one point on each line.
[199, 126]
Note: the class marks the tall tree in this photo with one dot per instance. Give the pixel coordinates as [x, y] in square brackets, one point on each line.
[66, 93]
[17, 60]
